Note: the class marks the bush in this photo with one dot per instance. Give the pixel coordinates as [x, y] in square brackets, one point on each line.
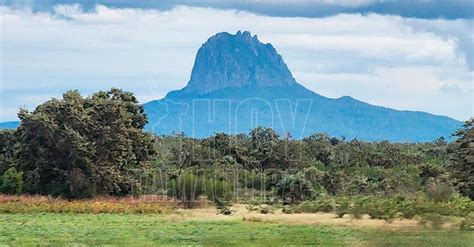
[436, 221]
[218, 191]
[467, 224]
[288, 210]
[383, 209]
[457, 206]
[187, 187]
[11, 182]
[266, 210]
[438, 191]
[262, 209]
[294, 188]
[324, 205]
[387, 208]
[357, 208]
[224, 210]
[376, 207]
[342, 208]
[407, 209]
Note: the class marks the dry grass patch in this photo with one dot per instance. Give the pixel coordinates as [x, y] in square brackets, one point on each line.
[43, 204]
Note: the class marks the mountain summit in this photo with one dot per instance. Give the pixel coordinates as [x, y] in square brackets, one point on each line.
[237, 61]
[238, 83]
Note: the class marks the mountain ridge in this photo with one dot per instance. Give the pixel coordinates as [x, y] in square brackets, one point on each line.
[226, 77]
[238, 83]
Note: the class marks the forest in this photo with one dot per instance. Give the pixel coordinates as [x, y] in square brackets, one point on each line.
[85, 147]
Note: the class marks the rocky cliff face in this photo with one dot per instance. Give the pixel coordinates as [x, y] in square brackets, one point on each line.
[238, 83]
[236, 61]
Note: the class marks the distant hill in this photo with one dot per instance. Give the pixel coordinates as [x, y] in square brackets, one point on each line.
[238, 83]
[9, 125]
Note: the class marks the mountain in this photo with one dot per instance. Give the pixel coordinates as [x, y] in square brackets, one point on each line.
[236, 61]
[9, 125]
[238, 83]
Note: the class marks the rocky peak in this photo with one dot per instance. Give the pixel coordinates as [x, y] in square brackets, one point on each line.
[237, 60]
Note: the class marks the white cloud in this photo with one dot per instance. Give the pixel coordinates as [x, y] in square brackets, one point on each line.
[386, 60]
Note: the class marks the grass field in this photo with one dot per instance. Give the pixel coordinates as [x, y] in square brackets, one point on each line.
[150, 229]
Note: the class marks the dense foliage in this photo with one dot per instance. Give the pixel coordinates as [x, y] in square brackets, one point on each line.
[85, 146]
[79, 147]
[462, 167]
[295, 170]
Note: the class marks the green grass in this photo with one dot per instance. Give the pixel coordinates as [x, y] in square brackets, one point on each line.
[126, 229]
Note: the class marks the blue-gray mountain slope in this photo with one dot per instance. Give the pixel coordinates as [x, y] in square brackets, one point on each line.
[238, 83]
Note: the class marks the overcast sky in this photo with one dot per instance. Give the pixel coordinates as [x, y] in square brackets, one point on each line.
[416, 56]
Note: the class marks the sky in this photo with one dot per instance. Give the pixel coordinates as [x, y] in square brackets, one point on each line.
[406, 55]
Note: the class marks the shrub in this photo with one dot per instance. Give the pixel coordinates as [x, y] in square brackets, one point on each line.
[357, 208]
[375, 207]
[294, 188]
[438, 191]
[263, 209]
[224, 210]
[436, 221]
[324, 204]
[467, 223]
[187, 187]
[218, 190]
[457, 206]
[11, 182]
[288, 210]
[384, 209]
[266, 210]
[407, 209]
[342, 208]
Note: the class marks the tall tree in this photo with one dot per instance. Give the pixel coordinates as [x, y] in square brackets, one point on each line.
[78, 147]
[7, 142]
[462, 168]
[264, 141]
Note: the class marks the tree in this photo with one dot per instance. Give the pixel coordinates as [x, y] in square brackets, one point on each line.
[11, 182]
[462, 167]
[79, 147]
[318, 147]
[7, 143]
[264, 141]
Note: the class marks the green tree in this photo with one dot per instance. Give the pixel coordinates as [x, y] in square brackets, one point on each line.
[318, 147]
[294, 188]
[11, 182]
[462, 167]
[264, 143]
[79, 147]
[7, 142]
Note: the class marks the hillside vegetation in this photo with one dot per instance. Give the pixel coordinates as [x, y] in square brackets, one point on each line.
[84, 147]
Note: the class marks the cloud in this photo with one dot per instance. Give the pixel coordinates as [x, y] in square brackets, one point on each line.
[424, 9]
[451, 88]
[387, 60]
[460, 31]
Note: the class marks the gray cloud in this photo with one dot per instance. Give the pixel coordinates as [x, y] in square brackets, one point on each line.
[386, 60]
[424, 9]
[451, 89]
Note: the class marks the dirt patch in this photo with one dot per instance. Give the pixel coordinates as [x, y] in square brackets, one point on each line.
[241, 213]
